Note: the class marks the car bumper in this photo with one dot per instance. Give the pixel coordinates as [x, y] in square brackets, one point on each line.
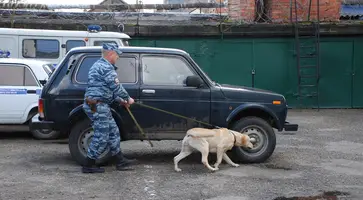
[36, 124]
[290, 127]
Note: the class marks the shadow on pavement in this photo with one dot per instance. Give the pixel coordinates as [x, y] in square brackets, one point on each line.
[327, 195]
[16, 135]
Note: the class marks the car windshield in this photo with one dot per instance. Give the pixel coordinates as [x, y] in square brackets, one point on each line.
[125, 42]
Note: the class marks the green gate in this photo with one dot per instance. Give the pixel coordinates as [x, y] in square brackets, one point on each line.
[357, 73]
[270, 63]
[335, 85]
[233, 63]
[273, 67]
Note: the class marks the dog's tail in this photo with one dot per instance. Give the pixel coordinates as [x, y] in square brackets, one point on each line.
[200, 133]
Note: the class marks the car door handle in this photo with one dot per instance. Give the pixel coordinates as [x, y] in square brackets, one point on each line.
[31, 91]
[148, 91]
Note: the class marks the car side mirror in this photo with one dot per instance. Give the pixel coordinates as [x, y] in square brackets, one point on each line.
[193, 81]
[43, 82]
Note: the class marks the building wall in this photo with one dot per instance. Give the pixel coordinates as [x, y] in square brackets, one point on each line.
[231, 61]
[279, 10]
[242, 10]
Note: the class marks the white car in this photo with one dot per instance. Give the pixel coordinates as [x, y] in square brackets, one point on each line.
[21, 81]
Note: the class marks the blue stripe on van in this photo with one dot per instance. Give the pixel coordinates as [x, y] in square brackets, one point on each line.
[38, 91]
[12, 91]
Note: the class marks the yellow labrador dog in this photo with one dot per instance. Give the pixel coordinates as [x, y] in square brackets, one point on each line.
[211, 140]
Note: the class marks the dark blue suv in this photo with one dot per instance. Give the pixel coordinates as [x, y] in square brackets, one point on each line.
[166, 79]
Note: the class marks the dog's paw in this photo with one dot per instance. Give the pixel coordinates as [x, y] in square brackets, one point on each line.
[177, 169]
[235, 165]
[214, 169]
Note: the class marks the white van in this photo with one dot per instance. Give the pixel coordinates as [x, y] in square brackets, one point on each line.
[52, 45]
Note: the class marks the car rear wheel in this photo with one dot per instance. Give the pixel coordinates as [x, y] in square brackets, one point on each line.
[45, 134]
[79, 140]
[262, 137]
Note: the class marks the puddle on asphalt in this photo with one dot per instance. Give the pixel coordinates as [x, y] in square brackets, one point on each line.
[308, 121]
[228, 198]
[270, 172]
[343, 166]
[287, 133]
[345, 147]
[329, 129]
[299, 147]
[55, 142]
[329, 195]
[274, 166]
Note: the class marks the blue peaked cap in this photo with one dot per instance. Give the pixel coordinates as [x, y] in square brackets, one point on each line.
[111, 47]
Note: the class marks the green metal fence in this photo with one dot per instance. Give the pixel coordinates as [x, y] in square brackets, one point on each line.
[233, 61]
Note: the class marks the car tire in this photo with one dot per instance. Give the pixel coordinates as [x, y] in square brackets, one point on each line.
[45, 134]
[264, 135]
[79, 139]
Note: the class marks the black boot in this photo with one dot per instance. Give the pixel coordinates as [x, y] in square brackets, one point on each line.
[123, 163]
[91, 167]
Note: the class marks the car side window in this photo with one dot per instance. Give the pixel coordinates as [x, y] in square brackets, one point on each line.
[100, 42]
[11, 76]
[29, 79]
[74, 43]
[165, 70]
[126, 69]
[41, 48]
[16, 76]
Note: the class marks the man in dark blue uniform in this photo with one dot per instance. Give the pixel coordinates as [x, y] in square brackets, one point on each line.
[104, 88]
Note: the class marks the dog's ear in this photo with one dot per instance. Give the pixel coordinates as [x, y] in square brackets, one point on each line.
[244, 139]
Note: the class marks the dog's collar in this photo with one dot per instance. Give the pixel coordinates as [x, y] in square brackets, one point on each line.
[234, 136]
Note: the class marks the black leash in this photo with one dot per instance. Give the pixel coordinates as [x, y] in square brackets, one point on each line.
[177, 115]
[139, 127]
[164, 111]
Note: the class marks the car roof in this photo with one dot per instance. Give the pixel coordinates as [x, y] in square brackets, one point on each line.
[24, 61]
[62, 33]
[132, 49]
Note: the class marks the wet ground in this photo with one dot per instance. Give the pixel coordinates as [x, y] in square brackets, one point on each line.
[323, 160]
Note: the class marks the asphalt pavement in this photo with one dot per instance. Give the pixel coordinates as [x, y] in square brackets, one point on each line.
[323, 160]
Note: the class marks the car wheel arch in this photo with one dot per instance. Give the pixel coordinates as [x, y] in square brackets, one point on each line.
[255, 110]
[32, 112]
[39, 134]
[78, 114]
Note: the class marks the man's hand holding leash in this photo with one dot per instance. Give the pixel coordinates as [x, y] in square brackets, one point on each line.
[127, 103]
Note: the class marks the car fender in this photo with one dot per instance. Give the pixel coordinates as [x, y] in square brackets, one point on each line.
[248, 106]
[26, 115]
[78, 113]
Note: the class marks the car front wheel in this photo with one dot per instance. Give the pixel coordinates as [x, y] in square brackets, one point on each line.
[262, 137]
[79, 139]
